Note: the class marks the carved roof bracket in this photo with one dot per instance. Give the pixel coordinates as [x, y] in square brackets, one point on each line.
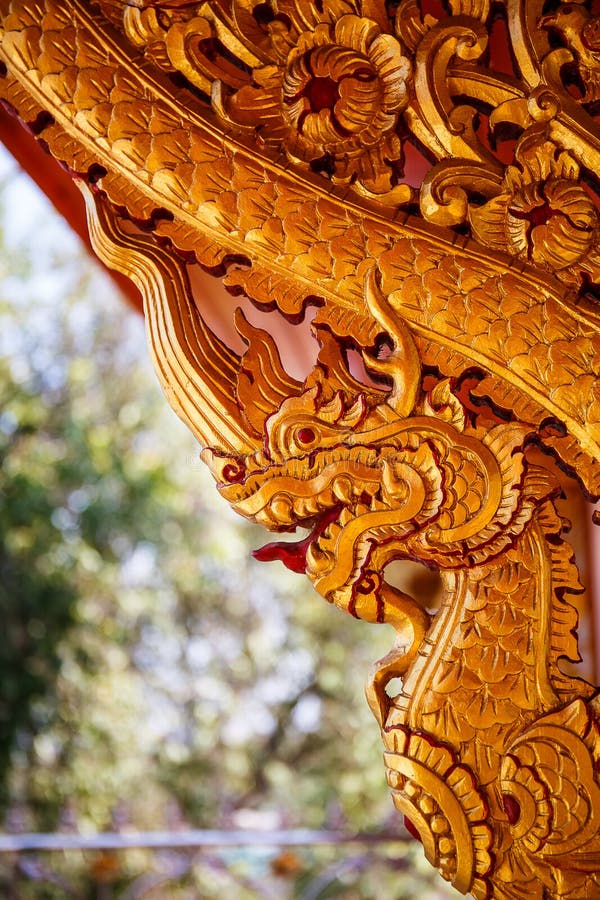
[425, 174]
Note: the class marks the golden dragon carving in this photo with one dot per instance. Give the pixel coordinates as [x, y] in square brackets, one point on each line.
[435, 197]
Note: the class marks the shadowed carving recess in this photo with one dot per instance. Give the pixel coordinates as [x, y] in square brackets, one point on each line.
[425, 176]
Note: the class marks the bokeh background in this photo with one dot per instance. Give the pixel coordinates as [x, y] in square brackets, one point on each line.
[152, 674]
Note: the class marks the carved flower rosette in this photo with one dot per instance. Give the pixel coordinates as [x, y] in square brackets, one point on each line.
[271, 142]
[324, 82]
[544, 215]
[330, 95]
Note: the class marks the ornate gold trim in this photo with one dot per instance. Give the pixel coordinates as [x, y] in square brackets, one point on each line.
[268, 142]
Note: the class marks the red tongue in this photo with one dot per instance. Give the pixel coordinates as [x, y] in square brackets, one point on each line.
[292, 555]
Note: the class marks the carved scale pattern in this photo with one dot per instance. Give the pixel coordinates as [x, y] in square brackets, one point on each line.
[229, 202]
[270, 142]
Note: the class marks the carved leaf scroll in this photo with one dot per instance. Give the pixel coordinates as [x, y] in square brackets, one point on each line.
[425, 175]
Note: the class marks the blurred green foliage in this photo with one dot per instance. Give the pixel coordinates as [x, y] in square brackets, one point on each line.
[152, 674]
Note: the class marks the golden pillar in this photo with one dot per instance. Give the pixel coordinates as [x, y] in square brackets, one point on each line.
[422, 177]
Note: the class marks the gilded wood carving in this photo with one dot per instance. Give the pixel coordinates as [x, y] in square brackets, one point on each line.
[424, 174]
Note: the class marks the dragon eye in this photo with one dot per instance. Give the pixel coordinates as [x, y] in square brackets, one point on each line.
[305, 435]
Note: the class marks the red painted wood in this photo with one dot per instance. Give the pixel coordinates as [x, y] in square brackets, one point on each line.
[58, 186]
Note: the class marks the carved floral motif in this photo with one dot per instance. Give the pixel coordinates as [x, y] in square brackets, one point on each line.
[332, 100]
[544, 215]
[491, 750]
[266, 141]
[345, 88]
[325, 82]
[580, 31]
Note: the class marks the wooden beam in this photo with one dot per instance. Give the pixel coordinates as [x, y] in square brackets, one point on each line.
[58, 186]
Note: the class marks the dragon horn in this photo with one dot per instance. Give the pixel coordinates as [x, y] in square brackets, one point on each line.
[197, 371]
[403, 365]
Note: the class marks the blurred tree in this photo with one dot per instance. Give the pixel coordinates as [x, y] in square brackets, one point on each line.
[36, 600]
[152, 673]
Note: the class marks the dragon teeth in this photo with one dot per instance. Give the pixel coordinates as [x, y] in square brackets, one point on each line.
[342, 488]
[318, 561]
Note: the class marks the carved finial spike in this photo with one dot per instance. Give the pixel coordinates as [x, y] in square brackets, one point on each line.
[403, 365]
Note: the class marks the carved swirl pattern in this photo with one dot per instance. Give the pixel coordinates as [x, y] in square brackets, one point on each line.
[276, 143]
[200, 182]
[347, 90]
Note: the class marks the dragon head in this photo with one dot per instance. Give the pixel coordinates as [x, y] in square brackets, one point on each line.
[376, 475]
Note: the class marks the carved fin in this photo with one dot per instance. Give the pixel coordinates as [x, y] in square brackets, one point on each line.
[403, 366]
[263, 384]
[331, 374]
[197, 371]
